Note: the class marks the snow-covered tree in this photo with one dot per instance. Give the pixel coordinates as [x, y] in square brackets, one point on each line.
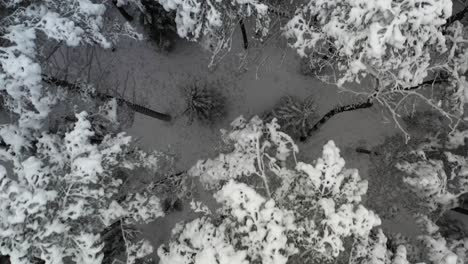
[429, 178]
[440, 249]
[373, 249]
[55, 203]
[391, 39]
[403, 45]
[314, 206]
[250, 229]
[437, 170]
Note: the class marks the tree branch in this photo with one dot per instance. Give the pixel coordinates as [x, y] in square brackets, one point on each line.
[351, 107]
[366, 151]
[428, 82]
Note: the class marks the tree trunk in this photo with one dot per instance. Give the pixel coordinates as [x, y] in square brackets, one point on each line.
[146, 111]
[244, 34]
[460, 210]
[123, 12]
[456, 17]
[137, 108]
[335, 111]
[366, 151]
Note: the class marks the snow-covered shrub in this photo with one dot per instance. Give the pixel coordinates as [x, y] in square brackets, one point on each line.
[321, 200]
[55, 202]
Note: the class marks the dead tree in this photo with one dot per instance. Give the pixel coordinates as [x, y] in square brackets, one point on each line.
[135, 107]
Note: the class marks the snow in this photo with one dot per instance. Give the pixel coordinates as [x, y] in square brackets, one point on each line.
[138, 250]
[304, 37]
[254, 229]
[91, 9]
[114, 211]
[33, 173]
[199, 207]
[90, 249]
[391, 37]
[400, 256]
[143, 207]
[199, 242]
[457, 139]
[60, 28]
